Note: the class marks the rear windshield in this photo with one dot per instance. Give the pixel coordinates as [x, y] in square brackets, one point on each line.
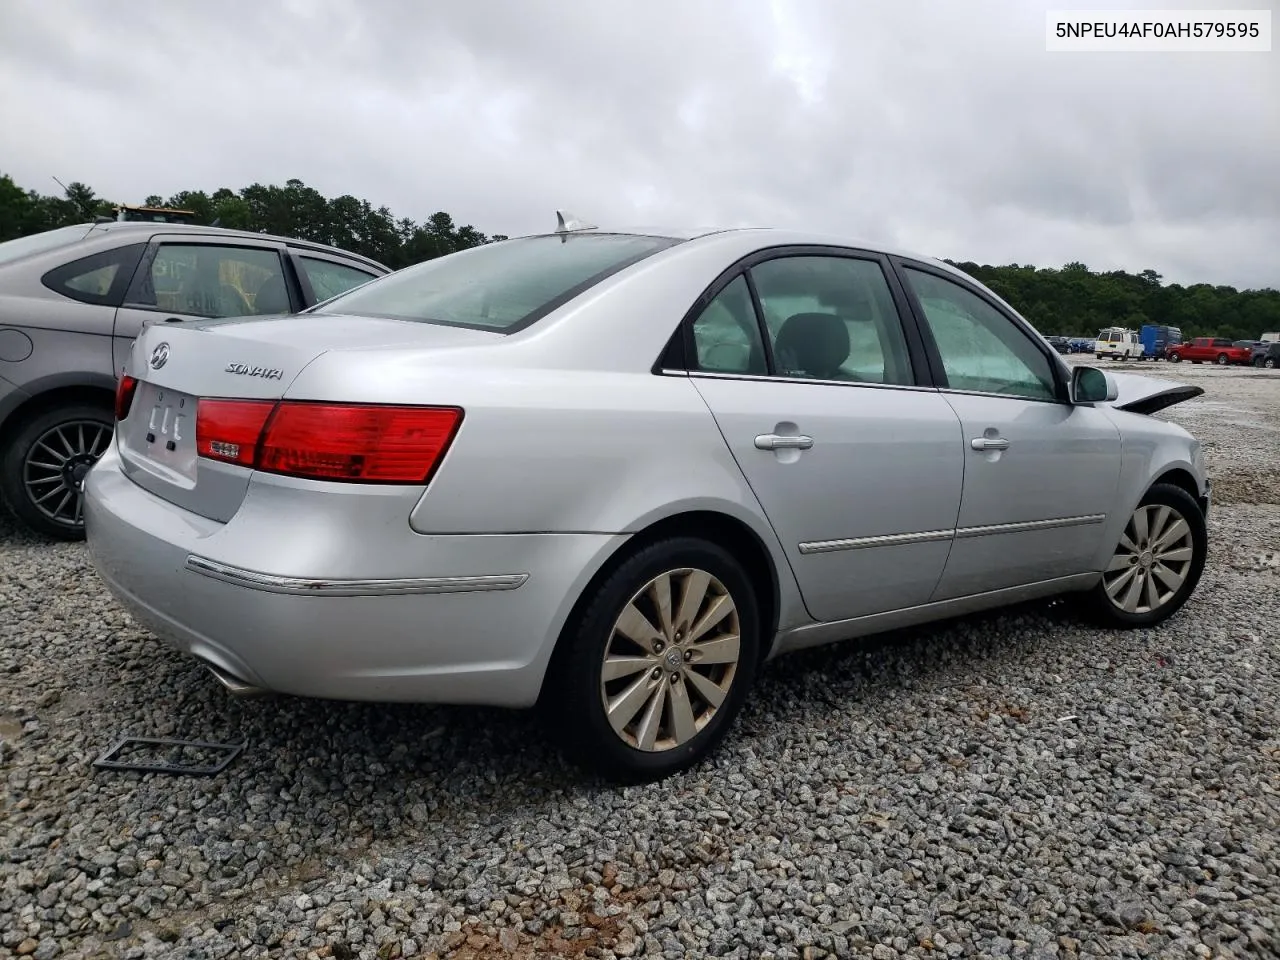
[502, 286]
[12, 250]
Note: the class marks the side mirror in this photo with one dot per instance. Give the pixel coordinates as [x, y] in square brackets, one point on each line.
[1091, 385]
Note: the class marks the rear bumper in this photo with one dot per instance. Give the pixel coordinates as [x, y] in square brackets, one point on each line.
[392, 616]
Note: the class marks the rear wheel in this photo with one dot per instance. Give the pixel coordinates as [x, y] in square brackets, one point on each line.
[1156, 564]
[46, 460]
[1222, 360]
[1269, 363]
[1176, 357]
[652, 673]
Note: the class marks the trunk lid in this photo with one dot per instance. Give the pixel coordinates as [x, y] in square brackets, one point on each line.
[254, 358]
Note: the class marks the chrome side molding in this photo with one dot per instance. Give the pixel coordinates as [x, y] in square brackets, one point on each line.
[318, 587]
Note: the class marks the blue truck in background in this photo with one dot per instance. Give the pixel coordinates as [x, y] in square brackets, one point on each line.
[1156, 339]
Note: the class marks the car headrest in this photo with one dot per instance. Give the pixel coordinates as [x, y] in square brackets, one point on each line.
[272, 297]
[813, 343]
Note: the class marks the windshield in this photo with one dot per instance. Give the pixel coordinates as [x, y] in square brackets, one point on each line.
[12, 250]
[501, 287]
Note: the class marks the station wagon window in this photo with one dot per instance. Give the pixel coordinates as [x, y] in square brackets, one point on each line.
[501, 287]
[726, 335]
[328, 279]
[99, 278]
[981, 348]
[208, 280]
[832, 318]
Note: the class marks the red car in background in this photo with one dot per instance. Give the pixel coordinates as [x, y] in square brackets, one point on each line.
[1217, 350]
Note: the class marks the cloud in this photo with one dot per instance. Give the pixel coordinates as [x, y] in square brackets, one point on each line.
[946, 128]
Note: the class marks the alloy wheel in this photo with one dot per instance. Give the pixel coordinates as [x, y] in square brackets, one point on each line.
[56, 465]
[1152, 561]
[671, 660]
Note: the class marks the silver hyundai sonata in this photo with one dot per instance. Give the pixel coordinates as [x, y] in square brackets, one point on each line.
[612, 473]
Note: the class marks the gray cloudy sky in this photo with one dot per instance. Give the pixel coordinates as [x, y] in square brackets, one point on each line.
[940, 125]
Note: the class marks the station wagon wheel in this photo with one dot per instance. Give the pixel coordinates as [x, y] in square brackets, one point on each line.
[649, 675]
[45, 463]
[1157, 562]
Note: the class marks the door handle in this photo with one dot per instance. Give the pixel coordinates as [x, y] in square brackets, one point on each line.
[989, 443]
[772, 441]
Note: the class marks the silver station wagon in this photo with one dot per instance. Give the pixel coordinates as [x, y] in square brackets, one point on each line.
[611, 474]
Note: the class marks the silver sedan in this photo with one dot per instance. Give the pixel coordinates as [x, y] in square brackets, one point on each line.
[611, 474]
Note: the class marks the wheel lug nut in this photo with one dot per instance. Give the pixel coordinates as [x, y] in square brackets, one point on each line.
[675, 677]
[657, 672]
[688, 655]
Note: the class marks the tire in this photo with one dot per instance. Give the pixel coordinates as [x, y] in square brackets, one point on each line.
[575, 691]
[38, 469]
[1175, 358]
[1166, 505]
[1269, 363]
[1222, 360]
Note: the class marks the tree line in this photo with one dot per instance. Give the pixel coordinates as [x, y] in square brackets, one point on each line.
[1071, 301]
[294, 210]
[1075, 301]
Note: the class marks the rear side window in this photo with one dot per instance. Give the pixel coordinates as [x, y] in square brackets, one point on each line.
[98, 279]
[209, 280]
[328, 279]
[832, 318]
[502, 287]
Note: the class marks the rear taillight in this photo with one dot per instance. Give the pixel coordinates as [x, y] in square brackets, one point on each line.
[374, 444]
[230, 430]
[126, 387]
[327, 441]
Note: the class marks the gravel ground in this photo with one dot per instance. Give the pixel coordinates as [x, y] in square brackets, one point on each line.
[1014, 784]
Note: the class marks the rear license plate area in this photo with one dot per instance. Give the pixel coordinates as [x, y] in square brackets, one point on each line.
[162, 432]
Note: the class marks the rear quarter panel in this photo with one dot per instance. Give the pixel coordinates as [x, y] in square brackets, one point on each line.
[48, 344]
[565, 451]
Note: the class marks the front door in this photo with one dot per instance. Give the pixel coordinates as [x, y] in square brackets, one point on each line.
[858, 469]
[1040, 474]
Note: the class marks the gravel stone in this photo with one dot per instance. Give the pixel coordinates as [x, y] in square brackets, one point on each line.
[1015, 784]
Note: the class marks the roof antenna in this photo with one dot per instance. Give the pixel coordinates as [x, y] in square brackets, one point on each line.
[83, 209]
[566, 222]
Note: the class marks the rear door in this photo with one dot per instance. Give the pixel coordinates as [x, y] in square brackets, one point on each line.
[806, 365]
[185, 276]
[1040, 473]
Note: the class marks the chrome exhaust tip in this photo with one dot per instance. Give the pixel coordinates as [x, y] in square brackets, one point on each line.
[234, 685]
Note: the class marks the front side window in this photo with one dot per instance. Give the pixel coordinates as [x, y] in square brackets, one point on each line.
[501, 287]
[981, 349]
[832, 318]
[328, 279]
[207, 280]
[726, 336]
